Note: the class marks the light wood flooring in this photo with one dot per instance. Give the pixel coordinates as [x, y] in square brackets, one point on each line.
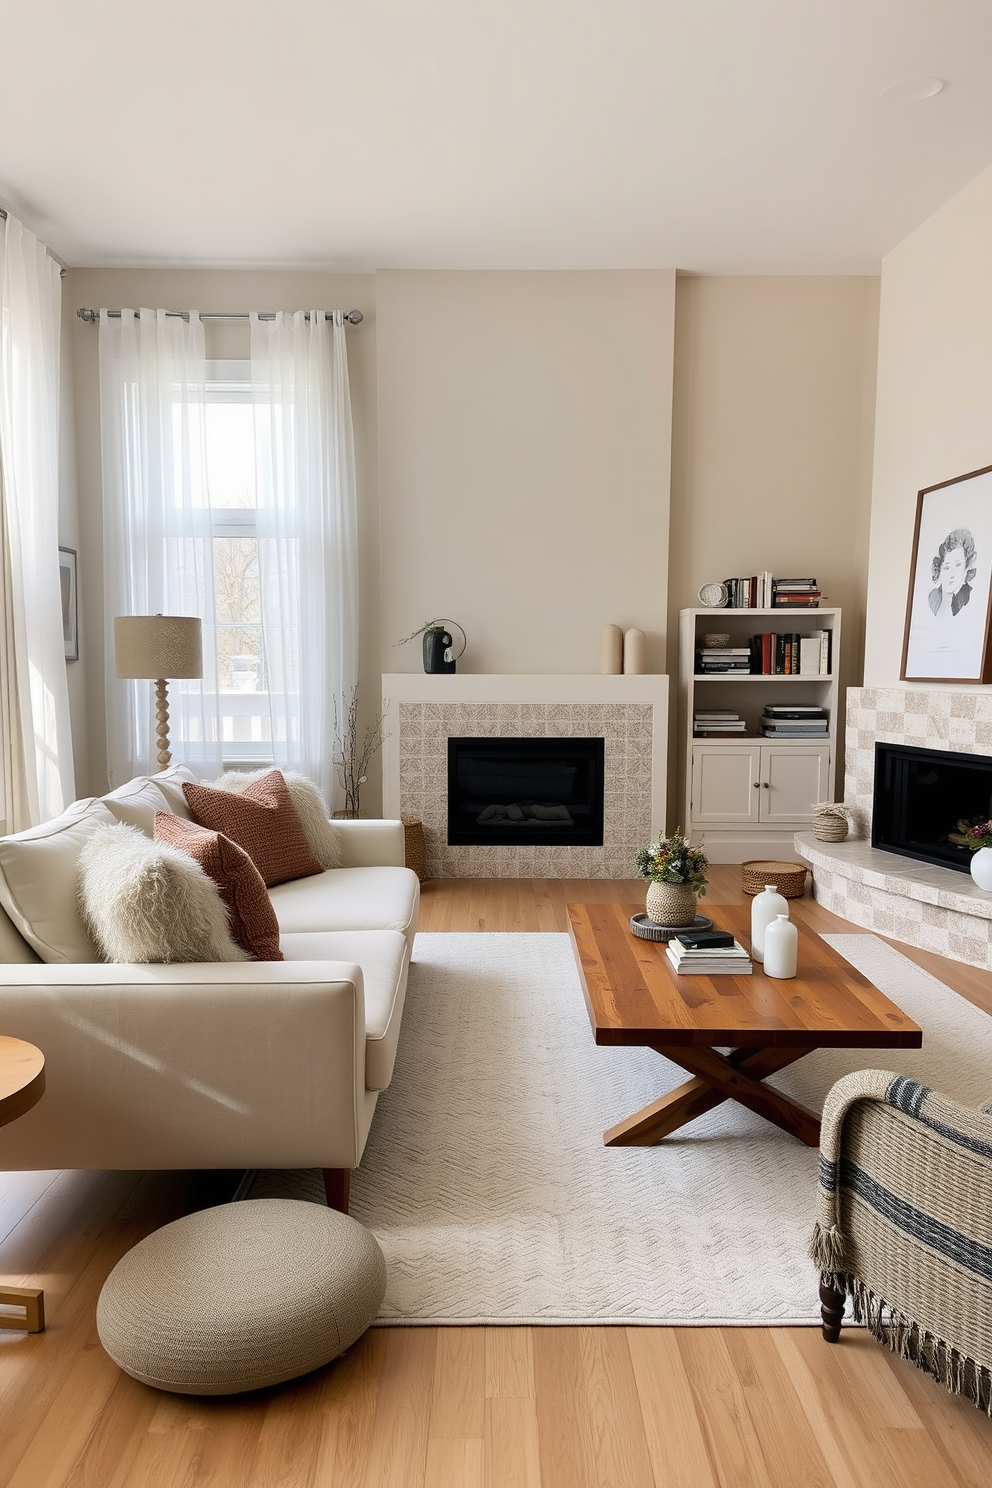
[461, 1407]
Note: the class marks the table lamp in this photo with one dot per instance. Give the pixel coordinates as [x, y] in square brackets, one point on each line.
[157, 647]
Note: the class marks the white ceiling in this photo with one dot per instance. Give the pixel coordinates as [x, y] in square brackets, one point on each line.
[716, 136]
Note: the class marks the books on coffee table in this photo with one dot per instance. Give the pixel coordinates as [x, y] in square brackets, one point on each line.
[708, 960]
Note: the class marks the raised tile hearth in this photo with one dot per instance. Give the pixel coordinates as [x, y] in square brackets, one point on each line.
[629, 713]
[936, 909]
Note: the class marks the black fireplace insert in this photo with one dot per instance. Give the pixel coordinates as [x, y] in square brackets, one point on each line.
[925, 799]
[544, 792]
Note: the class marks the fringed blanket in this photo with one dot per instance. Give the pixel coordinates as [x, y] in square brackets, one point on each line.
[904, 1223]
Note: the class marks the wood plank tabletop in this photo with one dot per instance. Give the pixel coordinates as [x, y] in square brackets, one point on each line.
[634, 995]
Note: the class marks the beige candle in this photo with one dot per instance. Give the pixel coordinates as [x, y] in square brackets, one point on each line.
[611, 651]
[633, 653]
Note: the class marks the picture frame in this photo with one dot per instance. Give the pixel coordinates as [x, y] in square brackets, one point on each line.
[949, 605]
[70, 603]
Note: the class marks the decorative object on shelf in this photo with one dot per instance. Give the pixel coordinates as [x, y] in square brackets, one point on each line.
[765, 907]
[788, 878]
[70, 607]
[415, 853]
[947, 612]
[677, 871]
[647, 929]
[713, 596]
[978, 840]
[351, 759]
[830, 821]
[155, 648]
[611, 651]
[440, 655]
[781, 948]
[633, 653]
[718, 638]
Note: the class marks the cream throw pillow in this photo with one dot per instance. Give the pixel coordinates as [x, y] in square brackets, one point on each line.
[309, 804]
[38, 879]
[145, 901]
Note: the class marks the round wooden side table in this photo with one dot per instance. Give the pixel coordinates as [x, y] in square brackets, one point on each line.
[22, 1084]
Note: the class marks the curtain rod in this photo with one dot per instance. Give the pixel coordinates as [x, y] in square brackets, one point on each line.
[3, 214]
[353, 317]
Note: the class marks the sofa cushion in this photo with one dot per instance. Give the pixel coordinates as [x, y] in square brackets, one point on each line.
[263, 820]
[170, 782]
[249, 909]
[146, 901]
[350, 899]
[39, 879]
[382, 956]
[311, 808]
[136, 803]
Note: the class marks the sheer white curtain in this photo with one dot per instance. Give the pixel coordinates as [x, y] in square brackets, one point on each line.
[34, 699]
[307, 529]
[157, 526]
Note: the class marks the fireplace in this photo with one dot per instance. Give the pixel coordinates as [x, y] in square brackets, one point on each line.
[518, 791]
[922, 796]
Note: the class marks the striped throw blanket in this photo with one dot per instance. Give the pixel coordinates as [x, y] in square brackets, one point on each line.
[904, 1223]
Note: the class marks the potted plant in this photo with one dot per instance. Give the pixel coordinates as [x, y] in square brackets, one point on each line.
[677, 873]
[439, 653]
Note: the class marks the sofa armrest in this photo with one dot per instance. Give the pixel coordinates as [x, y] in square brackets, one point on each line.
[372, 844]
[196, 1065]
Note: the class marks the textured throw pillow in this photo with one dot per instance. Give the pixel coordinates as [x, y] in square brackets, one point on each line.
[249, 908]
[311, 808]
[263, 820]
[146, 901]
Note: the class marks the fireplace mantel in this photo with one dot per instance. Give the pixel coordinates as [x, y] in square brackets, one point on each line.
[631, 713]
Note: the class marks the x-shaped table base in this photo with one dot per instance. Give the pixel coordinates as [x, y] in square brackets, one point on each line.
[737, 1076]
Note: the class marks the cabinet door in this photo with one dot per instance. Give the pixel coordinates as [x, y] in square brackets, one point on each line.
[725, 784]
[793, 778]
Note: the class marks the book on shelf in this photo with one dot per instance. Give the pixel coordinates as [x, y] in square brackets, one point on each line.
[790, 654]
[799, 731]
[804, 711]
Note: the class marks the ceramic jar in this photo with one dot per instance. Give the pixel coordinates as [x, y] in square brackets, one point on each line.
[670, 904]
[764, 908]
[981, 867]
[781, 948]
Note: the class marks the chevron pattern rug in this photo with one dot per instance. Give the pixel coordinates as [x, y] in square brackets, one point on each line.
[488, 1186]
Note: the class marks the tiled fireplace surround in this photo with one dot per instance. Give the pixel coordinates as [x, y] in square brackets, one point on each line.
[629, 713]
[934, 908]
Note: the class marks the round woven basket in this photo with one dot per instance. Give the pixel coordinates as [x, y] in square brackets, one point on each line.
[415, 846]
[830, 823]
[788, 878]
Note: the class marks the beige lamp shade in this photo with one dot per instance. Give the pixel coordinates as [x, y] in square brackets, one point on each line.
[158, 646]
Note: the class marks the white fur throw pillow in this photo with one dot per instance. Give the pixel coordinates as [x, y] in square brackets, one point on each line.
[309, 804]
[145, 901]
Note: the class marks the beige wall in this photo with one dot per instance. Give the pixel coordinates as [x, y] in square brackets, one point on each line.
[207, 290]
[524, 458]
[934, 410]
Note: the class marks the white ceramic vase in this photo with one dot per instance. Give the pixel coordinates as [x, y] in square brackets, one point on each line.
[981, 867]
[781, 948]
[764, 908]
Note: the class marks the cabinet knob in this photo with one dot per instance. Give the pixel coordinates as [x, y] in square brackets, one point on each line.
[757, 784]
[766, 785]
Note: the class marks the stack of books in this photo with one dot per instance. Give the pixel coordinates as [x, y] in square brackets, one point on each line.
[754, 593]
[708, 953]
[716, 722]
[779, 721]
[791, 654]
[723, 659]
[792, 593]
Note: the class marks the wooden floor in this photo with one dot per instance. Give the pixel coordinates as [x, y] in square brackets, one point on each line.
[461, 1407]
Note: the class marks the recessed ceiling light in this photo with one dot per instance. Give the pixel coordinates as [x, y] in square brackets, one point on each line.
[913, 90]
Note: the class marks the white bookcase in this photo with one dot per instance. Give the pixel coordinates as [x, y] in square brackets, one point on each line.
[744, 796]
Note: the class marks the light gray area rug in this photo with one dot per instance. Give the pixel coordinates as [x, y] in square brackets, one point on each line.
[488, 1186]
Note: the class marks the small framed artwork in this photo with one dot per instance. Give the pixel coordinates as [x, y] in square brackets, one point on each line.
[70, 607]
[950, 583]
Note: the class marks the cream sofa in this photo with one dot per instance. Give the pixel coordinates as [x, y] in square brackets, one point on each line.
[219, 1065]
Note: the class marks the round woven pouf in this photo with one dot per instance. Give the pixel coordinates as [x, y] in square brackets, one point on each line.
[241, 1296]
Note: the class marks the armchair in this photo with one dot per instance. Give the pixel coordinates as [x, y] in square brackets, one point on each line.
[904, 1225]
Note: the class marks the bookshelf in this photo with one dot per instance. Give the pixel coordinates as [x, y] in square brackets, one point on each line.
[744, 795]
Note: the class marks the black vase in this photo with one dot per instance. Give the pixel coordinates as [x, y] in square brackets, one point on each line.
[437, 640]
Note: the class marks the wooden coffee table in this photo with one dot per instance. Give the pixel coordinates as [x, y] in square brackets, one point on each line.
[635, 997]
[22, 1084]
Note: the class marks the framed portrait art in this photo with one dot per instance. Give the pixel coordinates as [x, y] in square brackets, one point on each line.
[950, 583]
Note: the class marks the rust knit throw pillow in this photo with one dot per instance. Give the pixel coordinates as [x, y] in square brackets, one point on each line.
[246, 899]
[263, 820]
